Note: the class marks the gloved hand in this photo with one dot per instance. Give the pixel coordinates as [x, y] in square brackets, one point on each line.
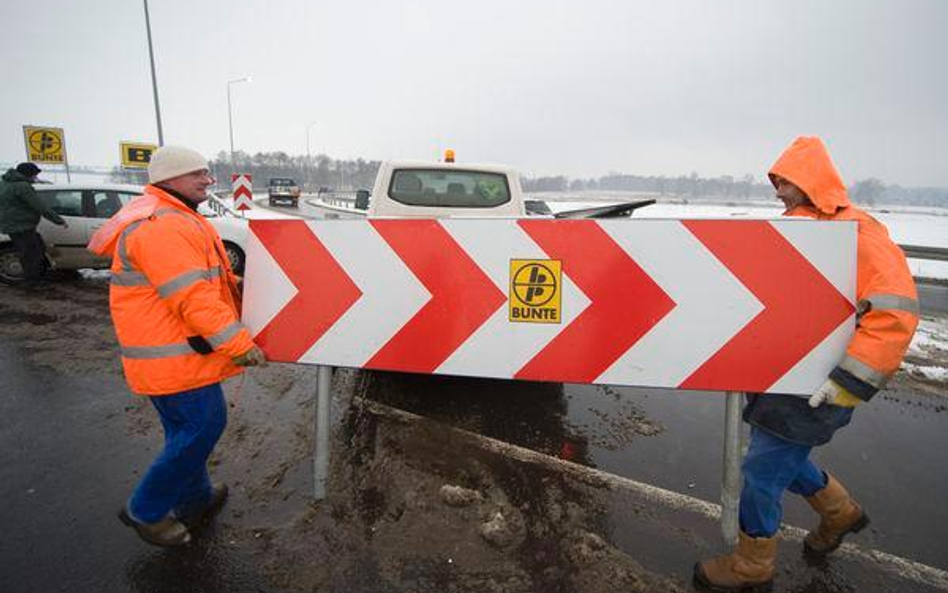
[830, 392]
[251, 358]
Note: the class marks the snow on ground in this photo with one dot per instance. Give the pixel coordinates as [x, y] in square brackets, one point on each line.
[932, 335]
[928, 352]
[937, 374]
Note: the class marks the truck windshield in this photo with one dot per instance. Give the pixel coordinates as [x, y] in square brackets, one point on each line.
[451, 188]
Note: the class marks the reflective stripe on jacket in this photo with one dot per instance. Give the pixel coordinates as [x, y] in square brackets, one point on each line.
[172, 296]
[887, 302]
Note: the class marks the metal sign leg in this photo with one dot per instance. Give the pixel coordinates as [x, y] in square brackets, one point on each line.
[731, 479]
[321, 437]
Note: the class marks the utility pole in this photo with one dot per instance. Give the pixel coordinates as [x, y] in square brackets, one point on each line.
[230, 120]
[154, 78]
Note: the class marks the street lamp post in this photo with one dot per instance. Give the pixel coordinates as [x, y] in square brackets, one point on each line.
[154, 78]
[230, 120]
[309, 158]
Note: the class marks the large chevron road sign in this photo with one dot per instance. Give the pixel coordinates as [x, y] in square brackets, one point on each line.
[740, 305]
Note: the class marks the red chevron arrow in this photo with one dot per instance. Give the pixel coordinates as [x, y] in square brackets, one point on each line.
[244, 188]
[325, 290]
[625, 302]
[801, 307]
[462, 296]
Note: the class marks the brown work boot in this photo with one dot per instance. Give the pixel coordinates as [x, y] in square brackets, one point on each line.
[197, 518]
[168, 532]
[750, 567]
[839, 515]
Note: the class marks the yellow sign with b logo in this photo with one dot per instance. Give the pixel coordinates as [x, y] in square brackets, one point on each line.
[137, 155]
[535, 290]
[45, 145]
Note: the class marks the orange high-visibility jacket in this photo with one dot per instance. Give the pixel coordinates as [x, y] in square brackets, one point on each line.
[171, 283]
[887, 302]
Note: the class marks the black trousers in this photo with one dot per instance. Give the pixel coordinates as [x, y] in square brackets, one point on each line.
[32, 254]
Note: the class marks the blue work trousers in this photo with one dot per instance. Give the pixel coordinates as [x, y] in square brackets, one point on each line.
[177, 480]
[772, 466]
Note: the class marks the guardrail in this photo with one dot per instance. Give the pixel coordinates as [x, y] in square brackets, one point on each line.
[357, 200]
[220, 206]
[334, 199]
[920, 252]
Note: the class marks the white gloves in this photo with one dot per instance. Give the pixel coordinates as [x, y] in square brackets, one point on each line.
[830, 392]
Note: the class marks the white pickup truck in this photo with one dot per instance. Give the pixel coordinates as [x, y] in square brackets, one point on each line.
[405, 189]
[414, 189]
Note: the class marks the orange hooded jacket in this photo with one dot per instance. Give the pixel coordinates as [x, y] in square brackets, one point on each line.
[172, 295]
[887, 306]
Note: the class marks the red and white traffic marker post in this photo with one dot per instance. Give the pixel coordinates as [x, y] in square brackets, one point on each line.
[761, 306]
[242, 185]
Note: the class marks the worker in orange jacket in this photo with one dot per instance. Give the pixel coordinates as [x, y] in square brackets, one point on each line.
[176, 307]
[784, 428]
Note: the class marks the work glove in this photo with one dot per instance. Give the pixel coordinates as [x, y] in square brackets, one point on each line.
[251, 358]
[830, 392]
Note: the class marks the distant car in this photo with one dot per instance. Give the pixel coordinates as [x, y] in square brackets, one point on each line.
[283, 190]
[85, 208]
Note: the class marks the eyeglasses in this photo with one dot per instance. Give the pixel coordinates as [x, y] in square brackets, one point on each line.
[203, 173]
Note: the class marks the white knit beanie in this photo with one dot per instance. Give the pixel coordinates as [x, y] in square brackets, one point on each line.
[169, 162]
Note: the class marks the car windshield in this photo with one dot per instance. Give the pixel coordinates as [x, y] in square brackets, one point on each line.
[283, 182]
[451, 188]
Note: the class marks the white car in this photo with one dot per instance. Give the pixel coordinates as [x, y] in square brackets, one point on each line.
[85, 208]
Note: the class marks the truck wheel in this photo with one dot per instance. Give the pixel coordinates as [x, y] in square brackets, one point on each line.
[272, 202]
[11, 272]
[236, 257]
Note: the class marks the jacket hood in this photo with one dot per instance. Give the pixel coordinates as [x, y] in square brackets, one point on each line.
[807, 164]
[12, 175]
[106, 238]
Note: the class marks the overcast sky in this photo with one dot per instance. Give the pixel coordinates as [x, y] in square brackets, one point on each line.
[575, 88]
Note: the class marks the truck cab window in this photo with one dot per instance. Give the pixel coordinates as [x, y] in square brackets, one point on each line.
[454, 188]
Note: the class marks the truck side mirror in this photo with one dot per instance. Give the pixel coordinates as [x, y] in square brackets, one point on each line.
[362, 199]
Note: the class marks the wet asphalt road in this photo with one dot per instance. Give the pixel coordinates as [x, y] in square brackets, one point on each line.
[69, 464]
[65, 473]
[891, 455]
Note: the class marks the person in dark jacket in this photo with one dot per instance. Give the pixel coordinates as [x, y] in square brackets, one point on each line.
[20, 212]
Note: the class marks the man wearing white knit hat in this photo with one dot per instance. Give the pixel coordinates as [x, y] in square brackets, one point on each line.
[176, 309]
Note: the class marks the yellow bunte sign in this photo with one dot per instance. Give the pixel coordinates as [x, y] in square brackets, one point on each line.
[535, 291]
[45, 145]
